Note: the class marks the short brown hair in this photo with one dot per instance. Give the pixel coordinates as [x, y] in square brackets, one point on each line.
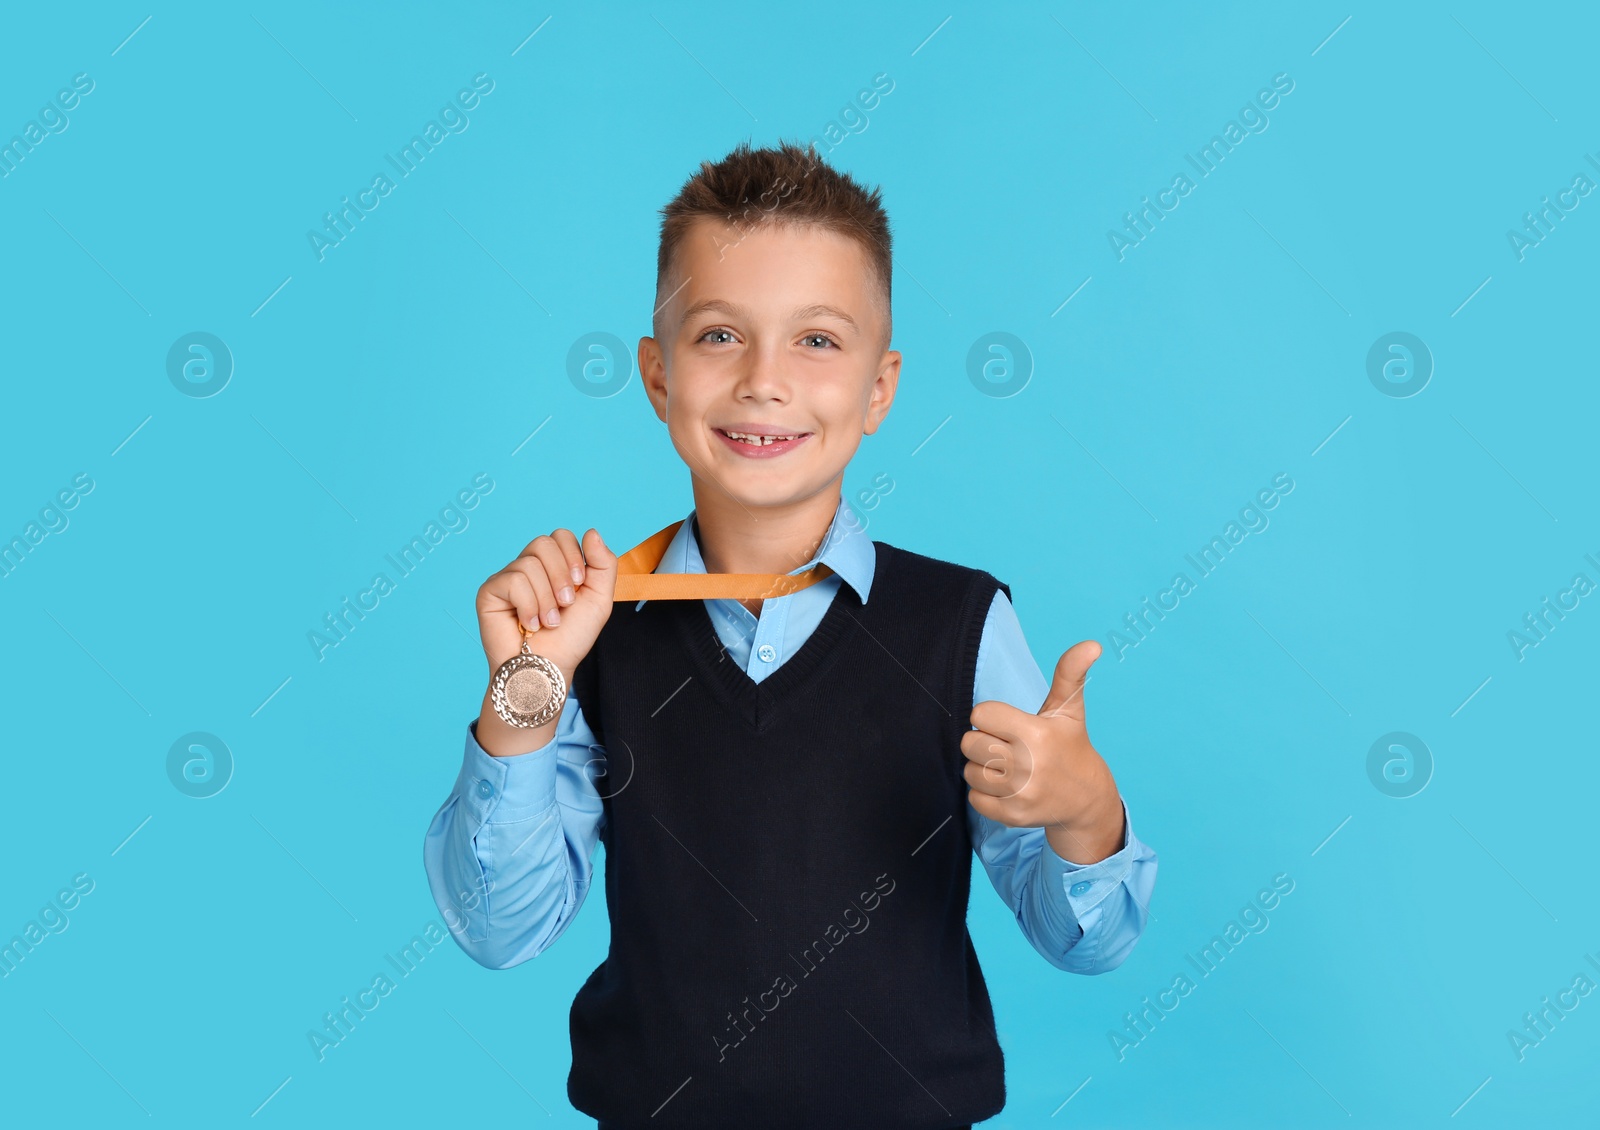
[786, 184]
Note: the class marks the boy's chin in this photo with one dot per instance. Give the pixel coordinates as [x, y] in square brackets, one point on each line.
[769, 496]
[771, 492]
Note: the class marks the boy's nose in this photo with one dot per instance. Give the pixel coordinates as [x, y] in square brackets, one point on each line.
[763, 373]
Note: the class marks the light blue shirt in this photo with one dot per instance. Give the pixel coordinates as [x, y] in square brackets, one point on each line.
[510, 854]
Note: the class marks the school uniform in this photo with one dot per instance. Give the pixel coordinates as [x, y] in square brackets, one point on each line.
[788, 857]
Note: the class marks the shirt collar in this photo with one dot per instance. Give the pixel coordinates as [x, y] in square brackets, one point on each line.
[845, 549]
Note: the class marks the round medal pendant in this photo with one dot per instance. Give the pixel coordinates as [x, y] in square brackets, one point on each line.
[528, 690]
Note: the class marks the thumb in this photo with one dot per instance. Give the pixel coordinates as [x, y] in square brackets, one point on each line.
[600, 566]
[1066, 689]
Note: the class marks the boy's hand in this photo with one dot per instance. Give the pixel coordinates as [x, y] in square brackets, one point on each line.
[549, 581]
[561, 599]
[1039, 770]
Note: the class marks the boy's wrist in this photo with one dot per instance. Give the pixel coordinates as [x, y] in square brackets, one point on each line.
[498, 738]
[1086, 842]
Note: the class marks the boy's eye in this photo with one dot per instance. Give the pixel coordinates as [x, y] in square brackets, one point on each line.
[819, 337]
[708, 333]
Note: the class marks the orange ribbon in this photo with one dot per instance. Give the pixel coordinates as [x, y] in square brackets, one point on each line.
[637, 580]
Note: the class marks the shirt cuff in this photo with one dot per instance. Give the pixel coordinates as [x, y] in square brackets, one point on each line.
[503, 790]
[1086, 885]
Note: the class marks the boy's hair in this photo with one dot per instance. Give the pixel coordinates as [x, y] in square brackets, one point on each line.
[751, 188]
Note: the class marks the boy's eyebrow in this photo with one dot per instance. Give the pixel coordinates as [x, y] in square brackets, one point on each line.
[733, 309]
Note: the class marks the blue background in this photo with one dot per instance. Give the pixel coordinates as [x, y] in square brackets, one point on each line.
[369, 386]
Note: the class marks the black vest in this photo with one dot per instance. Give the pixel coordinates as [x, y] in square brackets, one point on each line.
[787, 869]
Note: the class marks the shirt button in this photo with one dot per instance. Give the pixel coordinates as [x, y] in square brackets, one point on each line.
[485, 789]
[1080, 888]
[767, 652]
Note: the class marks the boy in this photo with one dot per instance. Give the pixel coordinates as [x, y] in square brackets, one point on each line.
[789, 788]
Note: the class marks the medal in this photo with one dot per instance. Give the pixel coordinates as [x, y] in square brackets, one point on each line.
[528, 690]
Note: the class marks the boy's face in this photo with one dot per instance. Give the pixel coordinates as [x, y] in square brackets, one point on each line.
[780, 326]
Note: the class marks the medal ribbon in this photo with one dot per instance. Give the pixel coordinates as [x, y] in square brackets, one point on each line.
[636, 579]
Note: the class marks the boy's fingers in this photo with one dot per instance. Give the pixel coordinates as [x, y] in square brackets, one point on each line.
[1000, 719]
[525, 597]
[505, 601]
[533, 569]
[983, 748]
[989, 773]
[516, 597]
[553, 563]
[996, 768]
[573, 552]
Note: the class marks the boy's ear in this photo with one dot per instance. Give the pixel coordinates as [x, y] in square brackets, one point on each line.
[653, 375]
[883, 390]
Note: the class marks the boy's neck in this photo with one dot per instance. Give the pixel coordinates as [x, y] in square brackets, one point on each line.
[735, 538]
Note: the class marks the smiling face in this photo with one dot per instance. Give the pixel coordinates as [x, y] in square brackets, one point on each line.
[780, 329]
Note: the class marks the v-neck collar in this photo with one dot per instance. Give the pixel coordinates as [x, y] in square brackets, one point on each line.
[757, 702]
[846, 550]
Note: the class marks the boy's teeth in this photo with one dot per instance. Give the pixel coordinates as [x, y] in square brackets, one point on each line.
[762, 440]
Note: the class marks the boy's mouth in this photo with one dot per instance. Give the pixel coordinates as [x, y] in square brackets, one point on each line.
[763, 443]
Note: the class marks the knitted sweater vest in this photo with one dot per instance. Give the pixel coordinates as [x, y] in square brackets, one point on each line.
[787, 869]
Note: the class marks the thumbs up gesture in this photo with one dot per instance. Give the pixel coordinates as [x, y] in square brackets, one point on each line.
[1040, 770]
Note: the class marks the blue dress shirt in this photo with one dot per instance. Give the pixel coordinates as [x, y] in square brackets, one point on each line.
[509, 855]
